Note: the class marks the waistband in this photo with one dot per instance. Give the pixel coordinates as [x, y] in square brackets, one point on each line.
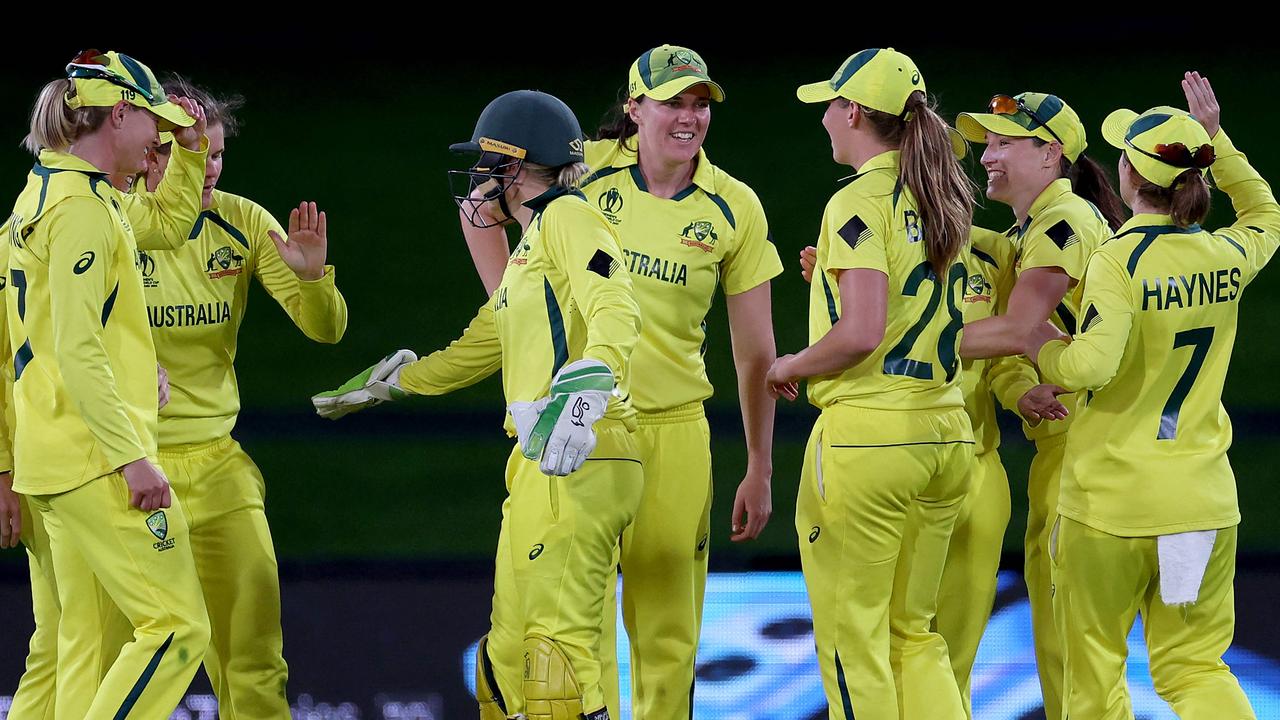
[193, 450]
[677, 414]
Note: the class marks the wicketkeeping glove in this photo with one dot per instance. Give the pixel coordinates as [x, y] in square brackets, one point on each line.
[376, 385]
[558, 428]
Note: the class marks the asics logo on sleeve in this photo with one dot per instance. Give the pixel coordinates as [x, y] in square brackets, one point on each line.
[535, 552]
[84, 263]
[813, 536]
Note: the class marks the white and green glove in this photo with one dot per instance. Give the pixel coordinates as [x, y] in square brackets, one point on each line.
[376, 385]
[558, 428]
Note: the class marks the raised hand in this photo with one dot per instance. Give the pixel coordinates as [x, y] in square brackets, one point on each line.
[1201, 102]
[305, 248]
[189, 138]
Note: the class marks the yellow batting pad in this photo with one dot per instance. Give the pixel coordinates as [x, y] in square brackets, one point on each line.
[491, 704]
[551, 689]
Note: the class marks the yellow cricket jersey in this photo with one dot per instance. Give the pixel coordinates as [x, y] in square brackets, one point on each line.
[873, 223]
[196, 298]
[990, 265]
[1148, 453]
[1061, 230]
[677, 250]
[6, 370]
[565, 295]
[84, 364]
[154, 220]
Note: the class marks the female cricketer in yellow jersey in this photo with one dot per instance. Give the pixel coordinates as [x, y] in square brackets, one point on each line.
[561, 325]
[968, 587]
[686, 226]
[1065, 207]
[887, 464]
[1147, 510]
[89, 648]
[85, 384]
[196, 298]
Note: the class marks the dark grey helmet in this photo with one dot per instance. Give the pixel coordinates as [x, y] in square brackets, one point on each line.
[528, 125]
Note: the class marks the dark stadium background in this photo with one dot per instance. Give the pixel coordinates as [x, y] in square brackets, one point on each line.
[361, 125]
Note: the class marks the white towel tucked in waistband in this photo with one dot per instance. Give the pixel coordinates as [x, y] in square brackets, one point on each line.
[1183, 559]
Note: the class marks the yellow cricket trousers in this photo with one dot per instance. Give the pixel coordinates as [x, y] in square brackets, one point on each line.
[973, 562]
[556, 552]
[879, 495]
[144, 564]
[1102, 583]
[664, 567]
[223, 497]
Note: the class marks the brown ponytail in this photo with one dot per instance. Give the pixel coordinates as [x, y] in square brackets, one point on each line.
[54, 125]
[617, 123]
[1090, 181]
[1187, 201]
[941, 188]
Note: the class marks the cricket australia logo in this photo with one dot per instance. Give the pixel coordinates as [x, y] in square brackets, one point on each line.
[520, 256]
[977, 289]
[610, 202]
[147, 267]
[158, 524]
[223, 262]
[682, 60]
[700, 234]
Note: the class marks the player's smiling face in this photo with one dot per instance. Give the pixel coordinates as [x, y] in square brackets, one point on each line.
[673, 130]
[1014, 167]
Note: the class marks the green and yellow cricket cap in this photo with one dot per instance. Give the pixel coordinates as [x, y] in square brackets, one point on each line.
[1151, 132]
[664, 72]
[1050, 110]
[103, 79]
[879, 78]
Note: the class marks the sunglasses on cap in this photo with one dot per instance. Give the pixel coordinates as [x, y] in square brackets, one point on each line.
[1008, 105]
[1179, 155]
[80, 68]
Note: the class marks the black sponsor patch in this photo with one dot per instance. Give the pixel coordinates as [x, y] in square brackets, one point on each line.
[1062, 235]
[1091, 318]
[603, 264]
[855, 232]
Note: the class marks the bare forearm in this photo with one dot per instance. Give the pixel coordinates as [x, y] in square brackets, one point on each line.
[758, 408]
[993, 337]
[489, 252]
